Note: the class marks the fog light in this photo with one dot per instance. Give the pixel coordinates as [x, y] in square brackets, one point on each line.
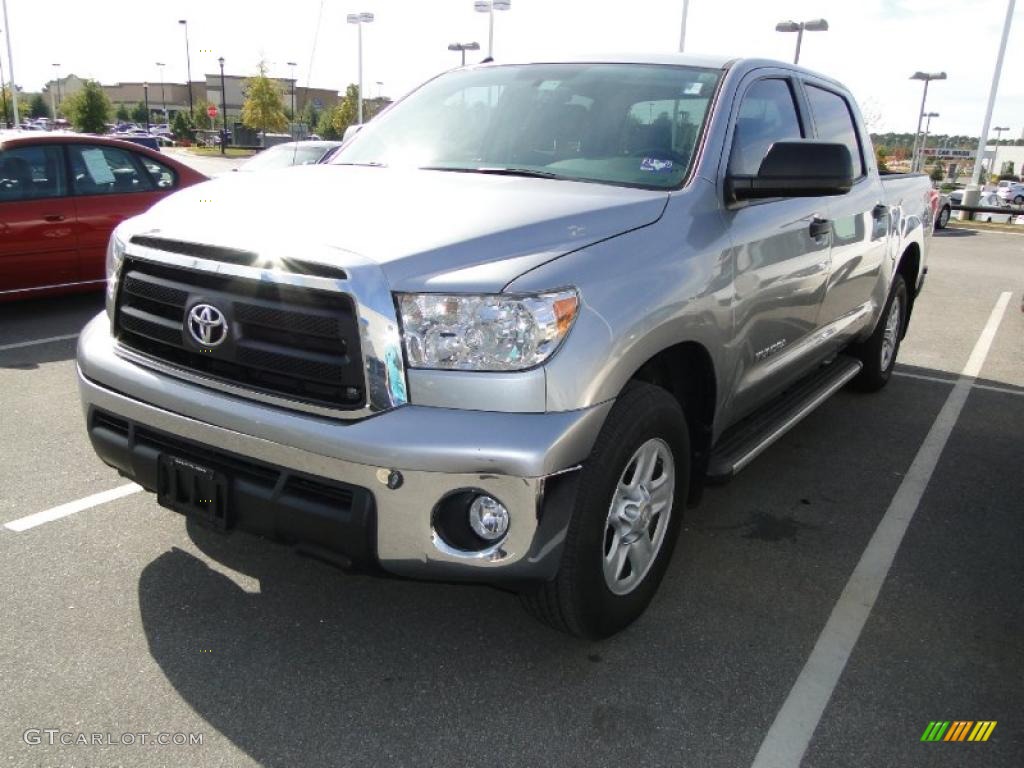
[488, 518]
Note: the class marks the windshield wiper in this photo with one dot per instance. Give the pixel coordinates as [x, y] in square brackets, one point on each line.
[497, 171]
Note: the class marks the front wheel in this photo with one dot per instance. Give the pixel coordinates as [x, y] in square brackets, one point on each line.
[878, 352]
[943, 219]
[625, 521]
[1018, 200]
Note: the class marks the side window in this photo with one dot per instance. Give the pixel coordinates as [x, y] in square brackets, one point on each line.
[768, 114]
[32, 173]
[163, 177]
[834, 122]
[107, 171]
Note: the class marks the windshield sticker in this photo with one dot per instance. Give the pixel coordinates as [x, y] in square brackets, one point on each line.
[654, 165]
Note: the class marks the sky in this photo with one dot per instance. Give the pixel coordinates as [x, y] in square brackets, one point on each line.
[872, 46]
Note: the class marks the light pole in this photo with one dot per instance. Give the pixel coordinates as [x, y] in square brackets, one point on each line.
[10, 65]
[682, 27]
[293, 65]
[3, 93]
[927, 127]
[188, 66]
[359, 19]
[145, 98]
[163, 98]
[462, 48]
[380, 89]
[55, 93]
[223, 109]
[814, 25]
[926, 77]
[991, 97]
[999, 135]
[489, 7]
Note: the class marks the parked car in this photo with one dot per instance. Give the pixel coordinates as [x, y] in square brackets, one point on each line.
[568, 294]
[994, 200]
[288, 154]
[1011, 191]
[61, 195]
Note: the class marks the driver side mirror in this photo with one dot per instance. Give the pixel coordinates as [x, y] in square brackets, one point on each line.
[796, 169]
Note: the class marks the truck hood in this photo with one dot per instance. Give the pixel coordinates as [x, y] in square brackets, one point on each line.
[428, 230]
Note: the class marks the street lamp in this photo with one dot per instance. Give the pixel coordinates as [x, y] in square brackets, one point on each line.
[359, 19]
[163, 99]
[926, 77]
[145, 96]
[999, 135]
[223, 109]
[489, 7]
[56, 86]
[10, 64]
[188, 64]
[3, 93]
[293, 65]
[814, 25]
[462, 48]
[927, 127]
[682, 27]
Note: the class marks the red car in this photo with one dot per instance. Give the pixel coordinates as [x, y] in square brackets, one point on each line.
[61, 194]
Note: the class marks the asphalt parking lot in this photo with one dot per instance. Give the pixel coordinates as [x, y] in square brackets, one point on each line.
[122, 619]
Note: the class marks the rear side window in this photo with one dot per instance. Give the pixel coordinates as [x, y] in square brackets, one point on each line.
[834, 122]
[768, 114]
[162, 175]
[32, 173]
[100, 170]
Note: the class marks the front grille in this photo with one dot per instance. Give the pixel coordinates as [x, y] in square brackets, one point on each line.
[298, 343]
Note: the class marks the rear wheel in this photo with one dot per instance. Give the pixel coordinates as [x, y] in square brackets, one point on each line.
[1018, 200]
[878, 352]
[625, 521]
[943, 219]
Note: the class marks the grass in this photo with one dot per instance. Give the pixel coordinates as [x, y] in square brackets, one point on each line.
[957, 224]
[215, 151]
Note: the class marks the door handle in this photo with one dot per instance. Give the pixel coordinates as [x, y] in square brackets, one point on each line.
[54, 217]
[820, 227]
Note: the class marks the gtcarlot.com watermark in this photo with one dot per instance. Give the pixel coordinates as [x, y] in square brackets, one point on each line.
[56, 737]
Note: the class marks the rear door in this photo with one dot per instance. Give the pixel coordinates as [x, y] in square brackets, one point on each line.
[38, 246]
[110, 185]
[780, 246]
[860, 218]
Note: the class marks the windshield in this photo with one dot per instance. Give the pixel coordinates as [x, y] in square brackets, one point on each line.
[629, 124]
[282, 156]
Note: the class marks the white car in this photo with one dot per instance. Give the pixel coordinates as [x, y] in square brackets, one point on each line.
[993, 200]
[1011, 191]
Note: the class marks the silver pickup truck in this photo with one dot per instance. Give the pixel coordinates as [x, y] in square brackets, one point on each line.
[513, 328]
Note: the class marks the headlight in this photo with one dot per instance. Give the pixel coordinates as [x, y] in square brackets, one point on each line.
[484, 333]
[115, 255]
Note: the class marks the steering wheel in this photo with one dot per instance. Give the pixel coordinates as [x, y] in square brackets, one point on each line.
[660, 153]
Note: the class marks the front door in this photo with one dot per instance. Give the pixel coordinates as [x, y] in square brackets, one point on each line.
[781, 254]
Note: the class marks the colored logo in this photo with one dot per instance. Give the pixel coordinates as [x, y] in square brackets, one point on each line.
[207, 325]
[654, 165]
[958, 730]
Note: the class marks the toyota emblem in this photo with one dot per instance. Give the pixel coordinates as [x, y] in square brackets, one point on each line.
[207, 325]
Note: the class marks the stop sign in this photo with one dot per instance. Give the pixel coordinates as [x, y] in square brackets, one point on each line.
[211, 111]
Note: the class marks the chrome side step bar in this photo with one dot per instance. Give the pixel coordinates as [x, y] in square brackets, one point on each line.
[745, 441]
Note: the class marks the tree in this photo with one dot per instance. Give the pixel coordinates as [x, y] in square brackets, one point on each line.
[7, 118]
[325, 126]
[139, 113]
[89, 109]
[201, 115]
[938, 172]
[346, 112]
[37, 106]
[263, 109]
[881, 155]
[183, 128]
[1006, 171]
[123, 114]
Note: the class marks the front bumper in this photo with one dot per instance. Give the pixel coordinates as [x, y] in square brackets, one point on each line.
[523, 459]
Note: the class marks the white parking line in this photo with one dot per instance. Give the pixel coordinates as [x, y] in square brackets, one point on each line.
[923, 377]
[790, 734]
[21, 344]
[49, 515]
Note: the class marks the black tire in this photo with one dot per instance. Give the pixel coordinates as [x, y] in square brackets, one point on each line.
[579, 600]
[876, 373]
[943, 218]
[1018, 200]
